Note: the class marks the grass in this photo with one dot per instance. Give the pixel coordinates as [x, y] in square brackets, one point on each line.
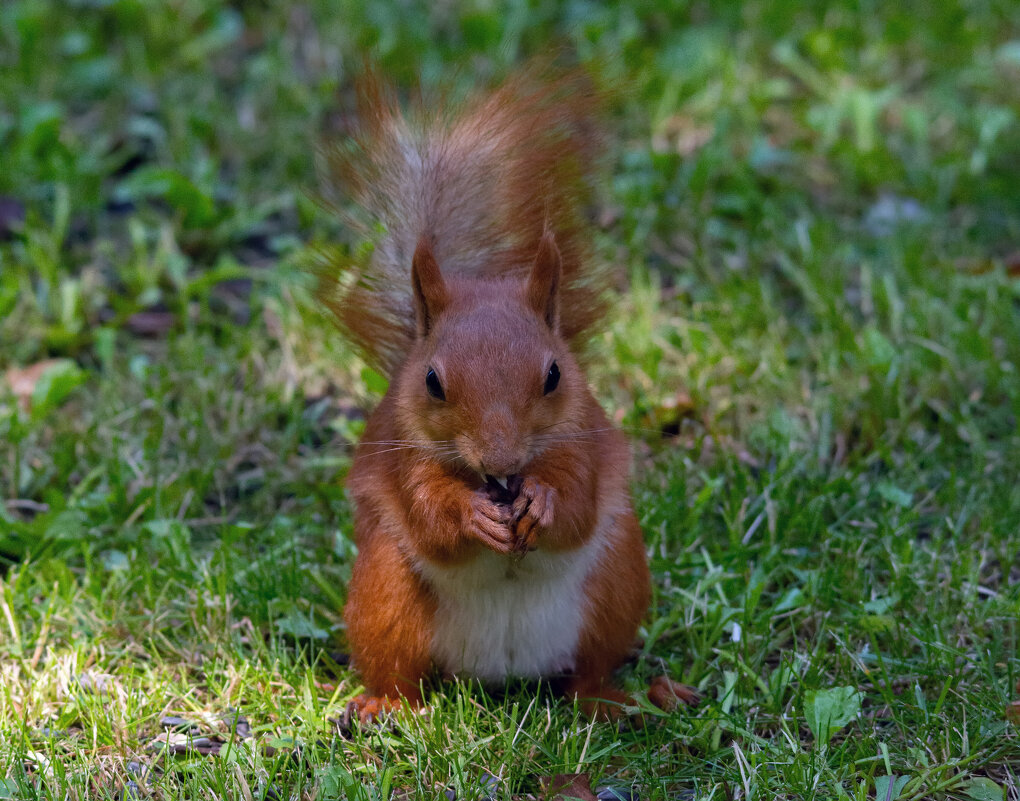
[814, 211]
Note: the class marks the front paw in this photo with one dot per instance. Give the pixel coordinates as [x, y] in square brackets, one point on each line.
[489, 523]
[532, 512]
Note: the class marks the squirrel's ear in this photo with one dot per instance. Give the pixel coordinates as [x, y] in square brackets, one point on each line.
[430, 295]
[543, 291]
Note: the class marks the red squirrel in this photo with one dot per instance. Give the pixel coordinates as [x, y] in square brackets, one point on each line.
[493, 519]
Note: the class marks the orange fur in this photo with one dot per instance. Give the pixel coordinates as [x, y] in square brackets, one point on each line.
[475, 302]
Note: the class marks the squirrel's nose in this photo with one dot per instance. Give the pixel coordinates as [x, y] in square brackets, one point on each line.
[500, 464]
[500, 453]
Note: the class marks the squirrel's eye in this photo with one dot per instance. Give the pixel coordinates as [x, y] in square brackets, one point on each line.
[552, 378]
[433, 386]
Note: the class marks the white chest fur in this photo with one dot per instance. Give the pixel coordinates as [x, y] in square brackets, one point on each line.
[496, 618]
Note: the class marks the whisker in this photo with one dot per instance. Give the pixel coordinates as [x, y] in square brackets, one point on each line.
[557, 423]
[640, 430]
[591, 433]
[410, 410]
[440, 450]
[390, 450]
[424, 444]
[572, 434]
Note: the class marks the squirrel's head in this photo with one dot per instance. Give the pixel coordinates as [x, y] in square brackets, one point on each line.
[489, 382]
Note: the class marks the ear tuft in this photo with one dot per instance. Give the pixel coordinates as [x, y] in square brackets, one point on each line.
[430, 296]
[543, 292]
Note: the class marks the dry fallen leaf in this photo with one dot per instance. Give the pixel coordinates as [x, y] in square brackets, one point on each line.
[1013, 264]
[22, 380]
[567, 787]
[681, 134]
[1013, 709]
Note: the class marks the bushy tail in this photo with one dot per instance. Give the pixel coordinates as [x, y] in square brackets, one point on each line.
[484, 179]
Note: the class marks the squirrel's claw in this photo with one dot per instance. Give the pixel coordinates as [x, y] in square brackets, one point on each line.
[532, 511]
[668, 694]
[367, 709]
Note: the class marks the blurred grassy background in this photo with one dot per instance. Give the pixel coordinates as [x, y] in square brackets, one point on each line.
[813, 210]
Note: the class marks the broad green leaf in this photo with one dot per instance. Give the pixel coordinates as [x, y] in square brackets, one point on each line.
[983, 789]
[894, 494]
[888, 788]
[57, 381]
[197, 207]
[828, 711]
[374, 381]
[300, 626]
